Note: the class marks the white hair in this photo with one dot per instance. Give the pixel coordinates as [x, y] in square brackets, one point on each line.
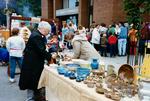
[44, 24]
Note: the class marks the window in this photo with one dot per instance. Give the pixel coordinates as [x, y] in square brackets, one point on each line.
[65, 3]
[72, 3]
[69, 3]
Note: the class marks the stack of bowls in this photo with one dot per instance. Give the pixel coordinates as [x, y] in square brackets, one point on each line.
[144, 90]
[83, 72]
[61, 70]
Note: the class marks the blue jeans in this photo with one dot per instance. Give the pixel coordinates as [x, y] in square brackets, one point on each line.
[12, 61]
[122, 46]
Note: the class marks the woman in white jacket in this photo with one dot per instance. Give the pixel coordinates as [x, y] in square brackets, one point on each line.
[96, 38]
[15, 46]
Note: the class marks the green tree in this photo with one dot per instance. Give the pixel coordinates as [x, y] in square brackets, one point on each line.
[35, 6]
[135, 9]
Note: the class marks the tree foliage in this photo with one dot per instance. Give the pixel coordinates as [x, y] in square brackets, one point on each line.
[135, 10]
[35, 6]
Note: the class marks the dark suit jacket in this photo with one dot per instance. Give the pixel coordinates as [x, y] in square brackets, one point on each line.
[33, 63]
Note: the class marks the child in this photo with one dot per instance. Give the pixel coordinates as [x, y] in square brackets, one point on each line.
[103, 44]
[112, 40]
[53, 44]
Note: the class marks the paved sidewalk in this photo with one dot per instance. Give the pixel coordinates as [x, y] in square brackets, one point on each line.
[10, 91]
[116, 61]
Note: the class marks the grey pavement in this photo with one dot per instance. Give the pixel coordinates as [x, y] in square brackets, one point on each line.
[11, 92]
[117, 62]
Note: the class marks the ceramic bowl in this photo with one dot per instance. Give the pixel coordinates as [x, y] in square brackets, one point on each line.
[83, 72]
[145, 98]
[85, 81]
[100, 90]
[97, 72]
[98, 85]
[61, 70]
[115, 97]
[144, 92]
[144, 85]
[79, 79]
[72, 75]
[67, 74]
[72, 67]
[90, 84]
[107, 93]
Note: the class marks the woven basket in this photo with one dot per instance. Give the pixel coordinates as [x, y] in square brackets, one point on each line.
[128, 72]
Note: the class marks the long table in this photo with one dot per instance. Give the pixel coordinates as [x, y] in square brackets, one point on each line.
[60, 88]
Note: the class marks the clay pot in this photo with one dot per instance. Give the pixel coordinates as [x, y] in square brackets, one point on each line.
[115, 97]
[107, 93]
[98, 85]
[85, 81]
[110, 78]
[97, 72]
[100, 90]
[90, 84]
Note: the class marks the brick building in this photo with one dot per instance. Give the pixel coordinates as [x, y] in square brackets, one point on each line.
[84, 11]
[108, 11]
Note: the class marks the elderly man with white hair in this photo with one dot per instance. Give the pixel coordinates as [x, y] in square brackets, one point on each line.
[33, 63]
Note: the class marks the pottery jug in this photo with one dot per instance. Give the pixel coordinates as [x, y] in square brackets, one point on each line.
[110, 70]
[94, 64]
[144, 86]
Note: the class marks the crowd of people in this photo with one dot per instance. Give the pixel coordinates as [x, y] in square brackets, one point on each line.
[116, 39]
[30, 49]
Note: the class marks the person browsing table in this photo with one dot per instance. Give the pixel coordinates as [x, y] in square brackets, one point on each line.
[33, 63]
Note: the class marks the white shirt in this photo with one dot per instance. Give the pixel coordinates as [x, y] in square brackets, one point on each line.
[95, 36]
[103, 29]
[15, 45]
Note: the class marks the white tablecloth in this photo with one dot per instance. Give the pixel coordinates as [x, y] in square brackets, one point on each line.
[60, 88]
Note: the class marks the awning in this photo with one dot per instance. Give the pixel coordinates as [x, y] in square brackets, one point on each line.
[67, 11]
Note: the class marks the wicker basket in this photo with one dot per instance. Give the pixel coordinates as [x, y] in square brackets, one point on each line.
[128, 72]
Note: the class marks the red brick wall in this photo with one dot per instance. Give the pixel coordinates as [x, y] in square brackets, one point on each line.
[146, 17]
[103, 11]
[59, 4]
[44, 4]
[118, 11]
[47, 8]
[83, 17]
[108, 11]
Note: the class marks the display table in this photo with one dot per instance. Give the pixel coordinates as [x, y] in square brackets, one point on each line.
[60, 88]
